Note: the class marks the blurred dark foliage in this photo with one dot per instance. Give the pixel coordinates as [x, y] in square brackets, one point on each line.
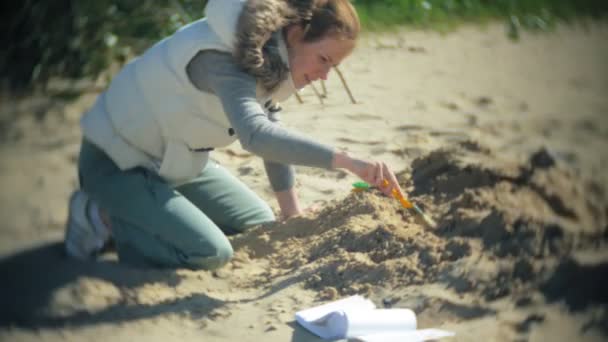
[72, 39]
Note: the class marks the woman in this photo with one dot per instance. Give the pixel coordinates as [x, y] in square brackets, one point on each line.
[144, 166]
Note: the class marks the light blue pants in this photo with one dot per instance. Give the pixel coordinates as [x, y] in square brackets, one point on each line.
[156, 224]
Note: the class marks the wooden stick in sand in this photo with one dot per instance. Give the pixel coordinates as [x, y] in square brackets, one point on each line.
[316, 92]
[300, 101]
[324, 89]
[352, 99]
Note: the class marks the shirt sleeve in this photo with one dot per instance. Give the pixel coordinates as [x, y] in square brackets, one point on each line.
[281, 176]
[215, 72]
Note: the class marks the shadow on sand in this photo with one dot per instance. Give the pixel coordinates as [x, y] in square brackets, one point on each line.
[31, 277]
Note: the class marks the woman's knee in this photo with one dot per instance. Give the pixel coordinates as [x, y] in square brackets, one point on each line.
[220, 255]
[262, 213]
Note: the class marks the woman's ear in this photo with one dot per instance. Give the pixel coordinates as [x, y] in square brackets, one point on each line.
[294, 34]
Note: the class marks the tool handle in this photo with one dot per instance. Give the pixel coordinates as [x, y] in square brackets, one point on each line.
[404, 202]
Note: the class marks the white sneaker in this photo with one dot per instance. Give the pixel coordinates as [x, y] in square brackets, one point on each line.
[83, 239]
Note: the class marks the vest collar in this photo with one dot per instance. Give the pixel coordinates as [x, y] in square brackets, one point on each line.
[284, 54]
[286, 87]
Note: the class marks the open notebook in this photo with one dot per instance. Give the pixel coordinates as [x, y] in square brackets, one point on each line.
[358, 319]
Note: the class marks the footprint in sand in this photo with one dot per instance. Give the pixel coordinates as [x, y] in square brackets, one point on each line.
[364, 116]
[362, 142]
[452, 136]
[408, 152]
[245, 170]
[409, 128]
[450, 105]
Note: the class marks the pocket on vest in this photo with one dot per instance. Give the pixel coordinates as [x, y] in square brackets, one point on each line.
[200, 133]
[180, 163]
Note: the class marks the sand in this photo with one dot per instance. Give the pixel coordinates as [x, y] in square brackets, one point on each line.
[504, 144]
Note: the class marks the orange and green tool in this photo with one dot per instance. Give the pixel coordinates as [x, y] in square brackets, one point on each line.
[361, 186]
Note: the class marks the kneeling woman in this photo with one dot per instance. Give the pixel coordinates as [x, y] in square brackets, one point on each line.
[145, 174]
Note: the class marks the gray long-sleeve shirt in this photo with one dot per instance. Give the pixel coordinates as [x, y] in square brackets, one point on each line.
[215, 72]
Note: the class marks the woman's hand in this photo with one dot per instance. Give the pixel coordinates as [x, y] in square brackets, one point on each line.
[373, 172]
[289, 204]
[310, 211]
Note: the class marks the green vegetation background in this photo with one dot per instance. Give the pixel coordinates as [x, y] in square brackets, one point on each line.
[72, 39]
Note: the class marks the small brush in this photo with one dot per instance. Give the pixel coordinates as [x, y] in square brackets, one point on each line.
[409, 205]
[361, 186]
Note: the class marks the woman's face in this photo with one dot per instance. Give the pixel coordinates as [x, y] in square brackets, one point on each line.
[311, 61]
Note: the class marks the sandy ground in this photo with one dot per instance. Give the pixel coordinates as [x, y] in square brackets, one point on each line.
[504, 144]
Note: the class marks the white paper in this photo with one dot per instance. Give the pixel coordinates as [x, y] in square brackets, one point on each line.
[367, 322]
[357, 317]
[353, 302]
[406, 336]
[316, 319]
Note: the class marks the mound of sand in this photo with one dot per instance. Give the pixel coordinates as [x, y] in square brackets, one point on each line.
[503, 230]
